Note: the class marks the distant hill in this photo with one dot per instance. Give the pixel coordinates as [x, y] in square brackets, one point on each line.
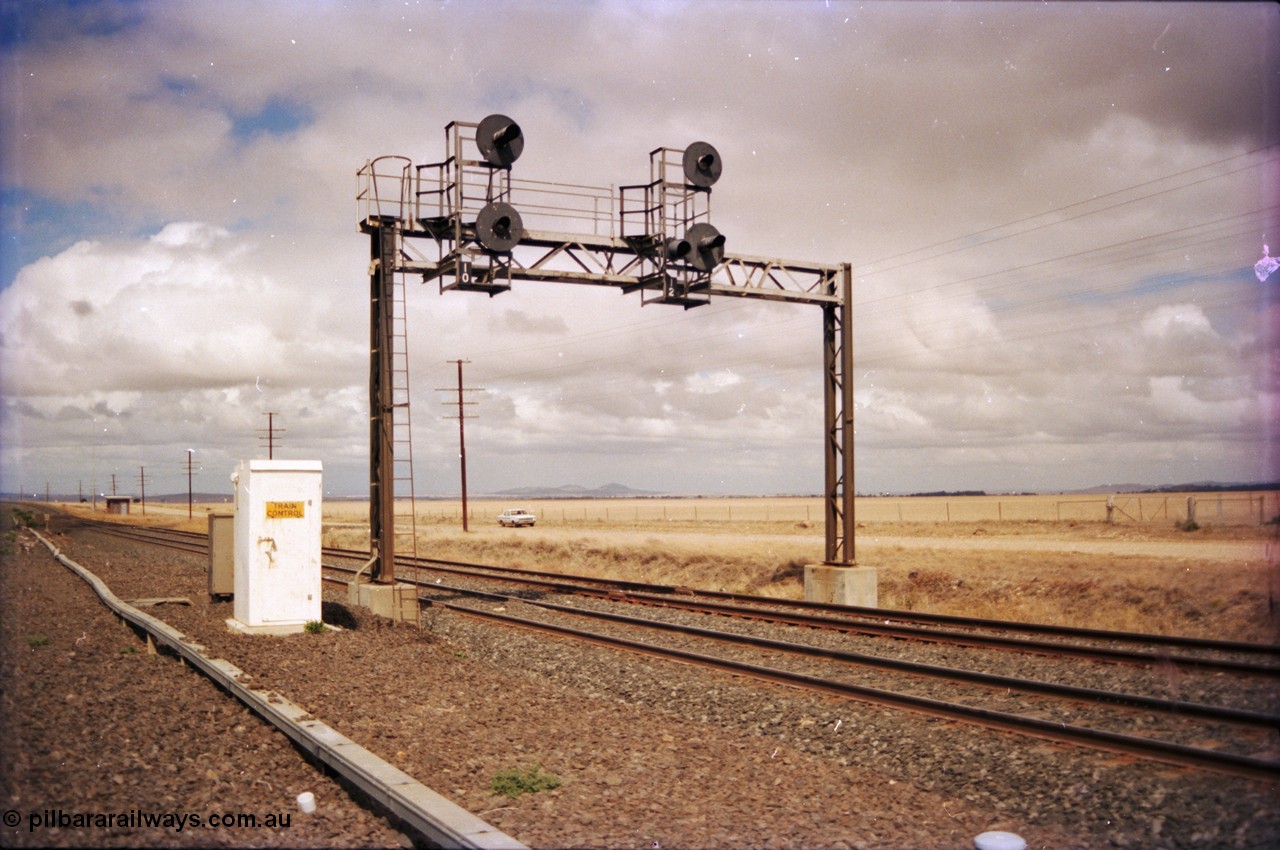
[1211, 487]
[170, 498]
[1193, 487]
[1110, 488]
[611, 490]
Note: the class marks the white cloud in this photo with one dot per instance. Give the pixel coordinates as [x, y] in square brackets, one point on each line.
[710, 383]
[1047, 279]
[1184, 320]
[185, 308]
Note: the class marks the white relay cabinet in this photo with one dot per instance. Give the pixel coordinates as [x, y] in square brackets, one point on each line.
[277, 545]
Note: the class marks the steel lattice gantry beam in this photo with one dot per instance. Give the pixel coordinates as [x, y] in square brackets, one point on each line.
[623, 263]
[420, 248]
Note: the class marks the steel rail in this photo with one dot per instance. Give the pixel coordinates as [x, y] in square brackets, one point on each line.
[880, 614]
[991, 680]
[875, 622]
[963, 638]
[1032, 686]
[1148, 748]
[677, 598]
[1165, 751]
[178, 543]
[1182, 642]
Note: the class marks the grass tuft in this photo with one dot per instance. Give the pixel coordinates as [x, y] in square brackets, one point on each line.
[514, 781]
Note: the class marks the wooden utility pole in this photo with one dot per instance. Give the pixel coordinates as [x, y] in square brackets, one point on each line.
[142, 483]
[270, 434]
[462, 432]
[190, 499]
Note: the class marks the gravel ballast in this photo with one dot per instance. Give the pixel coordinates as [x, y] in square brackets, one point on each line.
[648, 753]
[95, 726]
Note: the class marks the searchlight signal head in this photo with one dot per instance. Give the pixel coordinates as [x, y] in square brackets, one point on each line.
[708, 246]
[499, 227]
[500, 140]
[676, 249]
[702, 165]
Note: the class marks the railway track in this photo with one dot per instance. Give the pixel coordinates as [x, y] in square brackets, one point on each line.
[857, 654]
[1064, 641]
[1143, 649]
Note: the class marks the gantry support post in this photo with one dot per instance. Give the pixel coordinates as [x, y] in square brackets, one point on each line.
[840, 579]
[837, 343]
[382, 523]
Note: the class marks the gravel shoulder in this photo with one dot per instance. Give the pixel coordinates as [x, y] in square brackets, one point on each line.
[649, 754]
[93, 724]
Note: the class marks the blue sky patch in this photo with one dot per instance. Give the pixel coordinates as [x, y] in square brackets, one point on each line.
[36, 226]
[179, 86]
[1163, 282]
[278, 117]
[22, 21]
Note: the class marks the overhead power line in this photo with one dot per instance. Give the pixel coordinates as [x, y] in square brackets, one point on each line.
[1060, 267]
[865, 270]
[1055, 262]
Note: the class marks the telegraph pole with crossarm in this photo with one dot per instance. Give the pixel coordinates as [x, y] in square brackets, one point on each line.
[462, 433]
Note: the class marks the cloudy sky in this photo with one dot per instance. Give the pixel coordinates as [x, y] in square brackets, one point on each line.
[1053, 212]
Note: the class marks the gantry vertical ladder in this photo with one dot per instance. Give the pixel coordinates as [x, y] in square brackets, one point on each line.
[405, 516]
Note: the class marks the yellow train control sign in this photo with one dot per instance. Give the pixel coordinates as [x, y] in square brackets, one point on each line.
[284, 510]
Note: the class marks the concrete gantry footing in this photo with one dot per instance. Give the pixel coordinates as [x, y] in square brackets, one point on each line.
[841, 585]
[269, 629]
[397, 602]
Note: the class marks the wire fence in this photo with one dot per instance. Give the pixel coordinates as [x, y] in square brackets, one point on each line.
[1226, 508]
[1235, 508]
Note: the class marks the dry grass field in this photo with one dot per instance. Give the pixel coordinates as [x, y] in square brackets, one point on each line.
[1036, 559]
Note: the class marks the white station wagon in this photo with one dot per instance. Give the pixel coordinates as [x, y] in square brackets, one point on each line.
[516, 517]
